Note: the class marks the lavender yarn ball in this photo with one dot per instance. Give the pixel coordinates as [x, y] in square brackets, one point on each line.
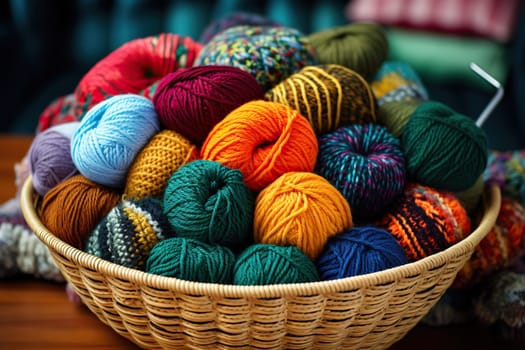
[366, 164]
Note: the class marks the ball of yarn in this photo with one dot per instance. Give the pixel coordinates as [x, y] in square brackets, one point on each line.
[208, 201]
[471, 197]
[358, 251]
[126, 235]
[270, 54]
[394, 115]
[50, 157]
[133, 67]
[192, 100]
[301, 209]
[504, 242]
[74, 207]
[506, 170]
[191, 260]
[263, 140]
[329, 95]
[266, 264]
[111, 135]
[156, 162]
[366, 164]
[425, 221]
[443, 149]
[359, 46]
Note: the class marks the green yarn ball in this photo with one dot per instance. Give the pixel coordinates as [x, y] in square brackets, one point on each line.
[443, 149]
[191, 260]
[208, 201]
[395, 114]
[264, 264]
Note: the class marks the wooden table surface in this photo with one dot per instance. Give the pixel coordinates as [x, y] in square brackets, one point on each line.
[36, 314]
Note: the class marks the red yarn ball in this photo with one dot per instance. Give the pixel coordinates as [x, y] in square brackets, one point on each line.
[191, 101]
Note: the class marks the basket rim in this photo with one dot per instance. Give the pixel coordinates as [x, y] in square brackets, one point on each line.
[491, 201]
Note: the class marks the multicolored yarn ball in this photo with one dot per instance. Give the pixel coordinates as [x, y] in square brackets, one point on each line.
[191, 260]
[208, 201]
[60, 110]
[301, 209]
[111, 135]
[366, 164]
[329, 95]
[263, 140]
[192, 100]
[126, 235]
[267, 264]
[50, 157]
[156, 162]
[425, 221]
[269, 54]
[358, 251]
[443, 149]
[232, 20]
[72, 209]
[506, 169]
[133, 67]
[504, 243]
[359, 46]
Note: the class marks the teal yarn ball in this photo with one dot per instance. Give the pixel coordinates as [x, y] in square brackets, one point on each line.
[358, 251]
[443, 149]
[269, 53]
[265, 264]
[191, 260]
[130, 230]
[110, 135]
[210, 202]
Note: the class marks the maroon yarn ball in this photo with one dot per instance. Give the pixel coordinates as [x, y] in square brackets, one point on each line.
[191, 101]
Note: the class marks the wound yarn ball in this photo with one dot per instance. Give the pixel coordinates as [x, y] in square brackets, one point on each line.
[208, 201]
[191, 260]
[156, 162]
[126, 235]
[111, 135]
[50, 157]
[506, 170]
[329, 96]
[366, 164]
[268, 264]
[263, 140]
[471, 197]
[443, 149]
[358, 251]
[192, 100]
[394, 115]
[133, 67]
[301, 209]
[425, 221]
[72, 209]
[270, 54]
[359, 46]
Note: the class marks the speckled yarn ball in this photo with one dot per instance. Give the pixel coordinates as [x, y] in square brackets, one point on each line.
[270, 54]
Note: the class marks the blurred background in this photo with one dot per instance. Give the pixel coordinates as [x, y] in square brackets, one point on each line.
[47, 46]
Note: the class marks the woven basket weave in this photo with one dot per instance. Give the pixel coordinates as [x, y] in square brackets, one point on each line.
[370, 311]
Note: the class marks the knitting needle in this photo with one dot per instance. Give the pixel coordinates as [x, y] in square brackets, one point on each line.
[495, 100]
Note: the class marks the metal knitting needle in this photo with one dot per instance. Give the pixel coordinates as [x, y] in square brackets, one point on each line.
[495, 100]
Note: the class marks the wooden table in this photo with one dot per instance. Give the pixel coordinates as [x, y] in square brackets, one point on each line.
[36, 314]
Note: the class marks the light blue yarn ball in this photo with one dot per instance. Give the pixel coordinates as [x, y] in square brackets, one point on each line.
[110, 136]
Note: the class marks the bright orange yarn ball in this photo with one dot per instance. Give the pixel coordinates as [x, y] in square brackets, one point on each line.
[263, 140]
[301, 209]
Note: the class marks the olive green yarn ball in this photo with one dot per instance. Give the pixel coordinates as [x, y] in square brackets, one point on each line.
[395, 114]
[443, 149]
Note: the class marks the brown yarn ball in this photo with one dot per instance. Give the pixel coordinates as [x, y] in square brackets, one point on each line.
[329, 96]
[164, 154]
[73, 208]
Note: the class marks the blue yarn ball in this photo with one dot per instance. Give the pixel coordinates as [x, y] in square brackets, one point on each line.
[110, 135]
[358, 251]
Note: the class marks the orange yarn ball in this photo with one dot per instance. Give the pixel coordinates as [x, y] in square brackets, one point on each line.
[301, 209]
[73, 208]
[263, 140]
[164, 154]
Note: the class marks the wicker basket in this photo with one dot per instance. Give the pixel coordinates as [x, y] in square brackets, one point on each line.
[365, 312]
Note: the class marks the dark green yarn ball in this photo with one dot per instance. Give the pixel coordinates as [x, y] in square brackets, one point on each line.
[443, 149]
[208, 201]
[264, 264]
[191, 260]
